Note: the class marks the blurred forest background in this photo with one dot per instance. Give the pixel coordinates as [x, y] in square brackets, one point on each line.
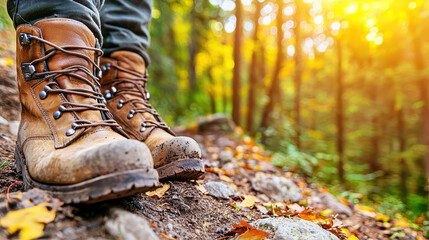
[337, 90]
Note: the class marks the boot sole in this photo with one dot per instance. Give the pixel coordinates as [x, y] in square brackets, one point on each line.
[183, 169]
[106, 187]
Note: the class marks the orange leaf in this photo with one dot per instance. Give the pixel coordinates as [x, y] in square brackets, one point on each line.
[253, 234]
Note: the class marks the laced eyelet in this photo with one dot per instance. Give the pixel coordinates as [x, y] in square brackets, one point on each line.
[24, 39]
[113, 90]
[107, 94]
[70, 132]
[61, 108]
[147, 95]
[43, 95]
[74, 125]
[57, 114]
[120, 104]
[131, 114]
[27, 70]
[143, 127]
[105, 67]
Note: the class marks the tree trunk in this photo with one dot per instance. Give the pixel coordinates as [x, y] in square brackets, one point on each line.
[403, 164]
[298, 74]
[212, 94]
[236, 82]
[275, 84]
[340, 112]
[253, 71]
[373, 159]
[193, 49]
[416, 32]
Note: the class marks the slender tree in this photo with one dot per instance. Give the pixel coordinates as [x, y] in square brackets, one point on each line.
[416, 31]
[236, 82]
[373, 159]
[275, 83]
[253, 81]
[340, 111]
[298, 72]
[402, 148]
[193, 48]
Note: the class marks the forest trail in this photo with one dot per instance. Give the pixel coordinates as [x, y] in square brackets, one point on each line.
[241, 187]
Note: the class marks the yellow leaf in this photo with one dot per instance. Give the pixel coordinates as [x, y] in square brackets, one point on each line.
[326, 212]
[30, 221]
[402, 223]
[225, 178]
[253, 234]
[364, 208]
[382, 217]
[366, 211]
[345, 231]
[248, 201]
[201, 188]
[159, 191]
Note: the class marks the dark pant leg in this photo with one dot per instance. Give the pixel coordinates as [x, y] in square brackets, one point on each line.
[125, 26]
[31, 11]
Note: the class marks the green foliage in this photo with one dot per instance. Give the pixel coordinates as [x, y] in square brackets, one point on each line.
[294, 159]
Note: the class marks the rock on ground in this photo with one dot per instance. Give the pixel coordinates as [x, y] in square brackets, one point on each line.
[293, 229]
[277, 188]
[332, 203]
[127, 226]
[219, 189]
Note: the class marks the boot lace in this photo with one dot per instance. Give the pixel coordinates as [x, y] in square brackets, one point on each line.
[52, 87]
[140, 96]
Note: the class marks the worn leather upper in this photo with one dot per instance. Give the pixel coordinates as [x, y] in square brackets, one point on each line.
[165, 146]
[52, 156]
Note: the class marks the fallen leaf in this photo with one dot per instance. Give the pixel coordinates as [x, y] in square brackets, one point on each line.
[420, 219]
[345, 231]
[402, 223]
[218, 171]
[159, 191]
[248, 201]
[296, 207]
[225, 178]
[311, 216]
[201, 188]
[30, 221]
[253, 234]
[344, 201]
[364, 208]
[366, 211]
[382, 217]
[236, 205]
[326, 212]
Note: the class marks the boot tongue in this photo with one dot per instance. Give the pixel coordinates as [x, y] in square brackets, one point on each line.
[66, 32]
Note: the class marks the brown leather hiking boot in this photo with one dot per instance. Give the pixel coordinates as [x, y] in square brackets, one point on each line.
[68, 143]
[124, 86]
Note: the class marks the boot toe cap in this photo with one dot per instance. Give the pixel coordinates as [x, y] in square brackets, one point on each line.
[175, 149]
[119, 155]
